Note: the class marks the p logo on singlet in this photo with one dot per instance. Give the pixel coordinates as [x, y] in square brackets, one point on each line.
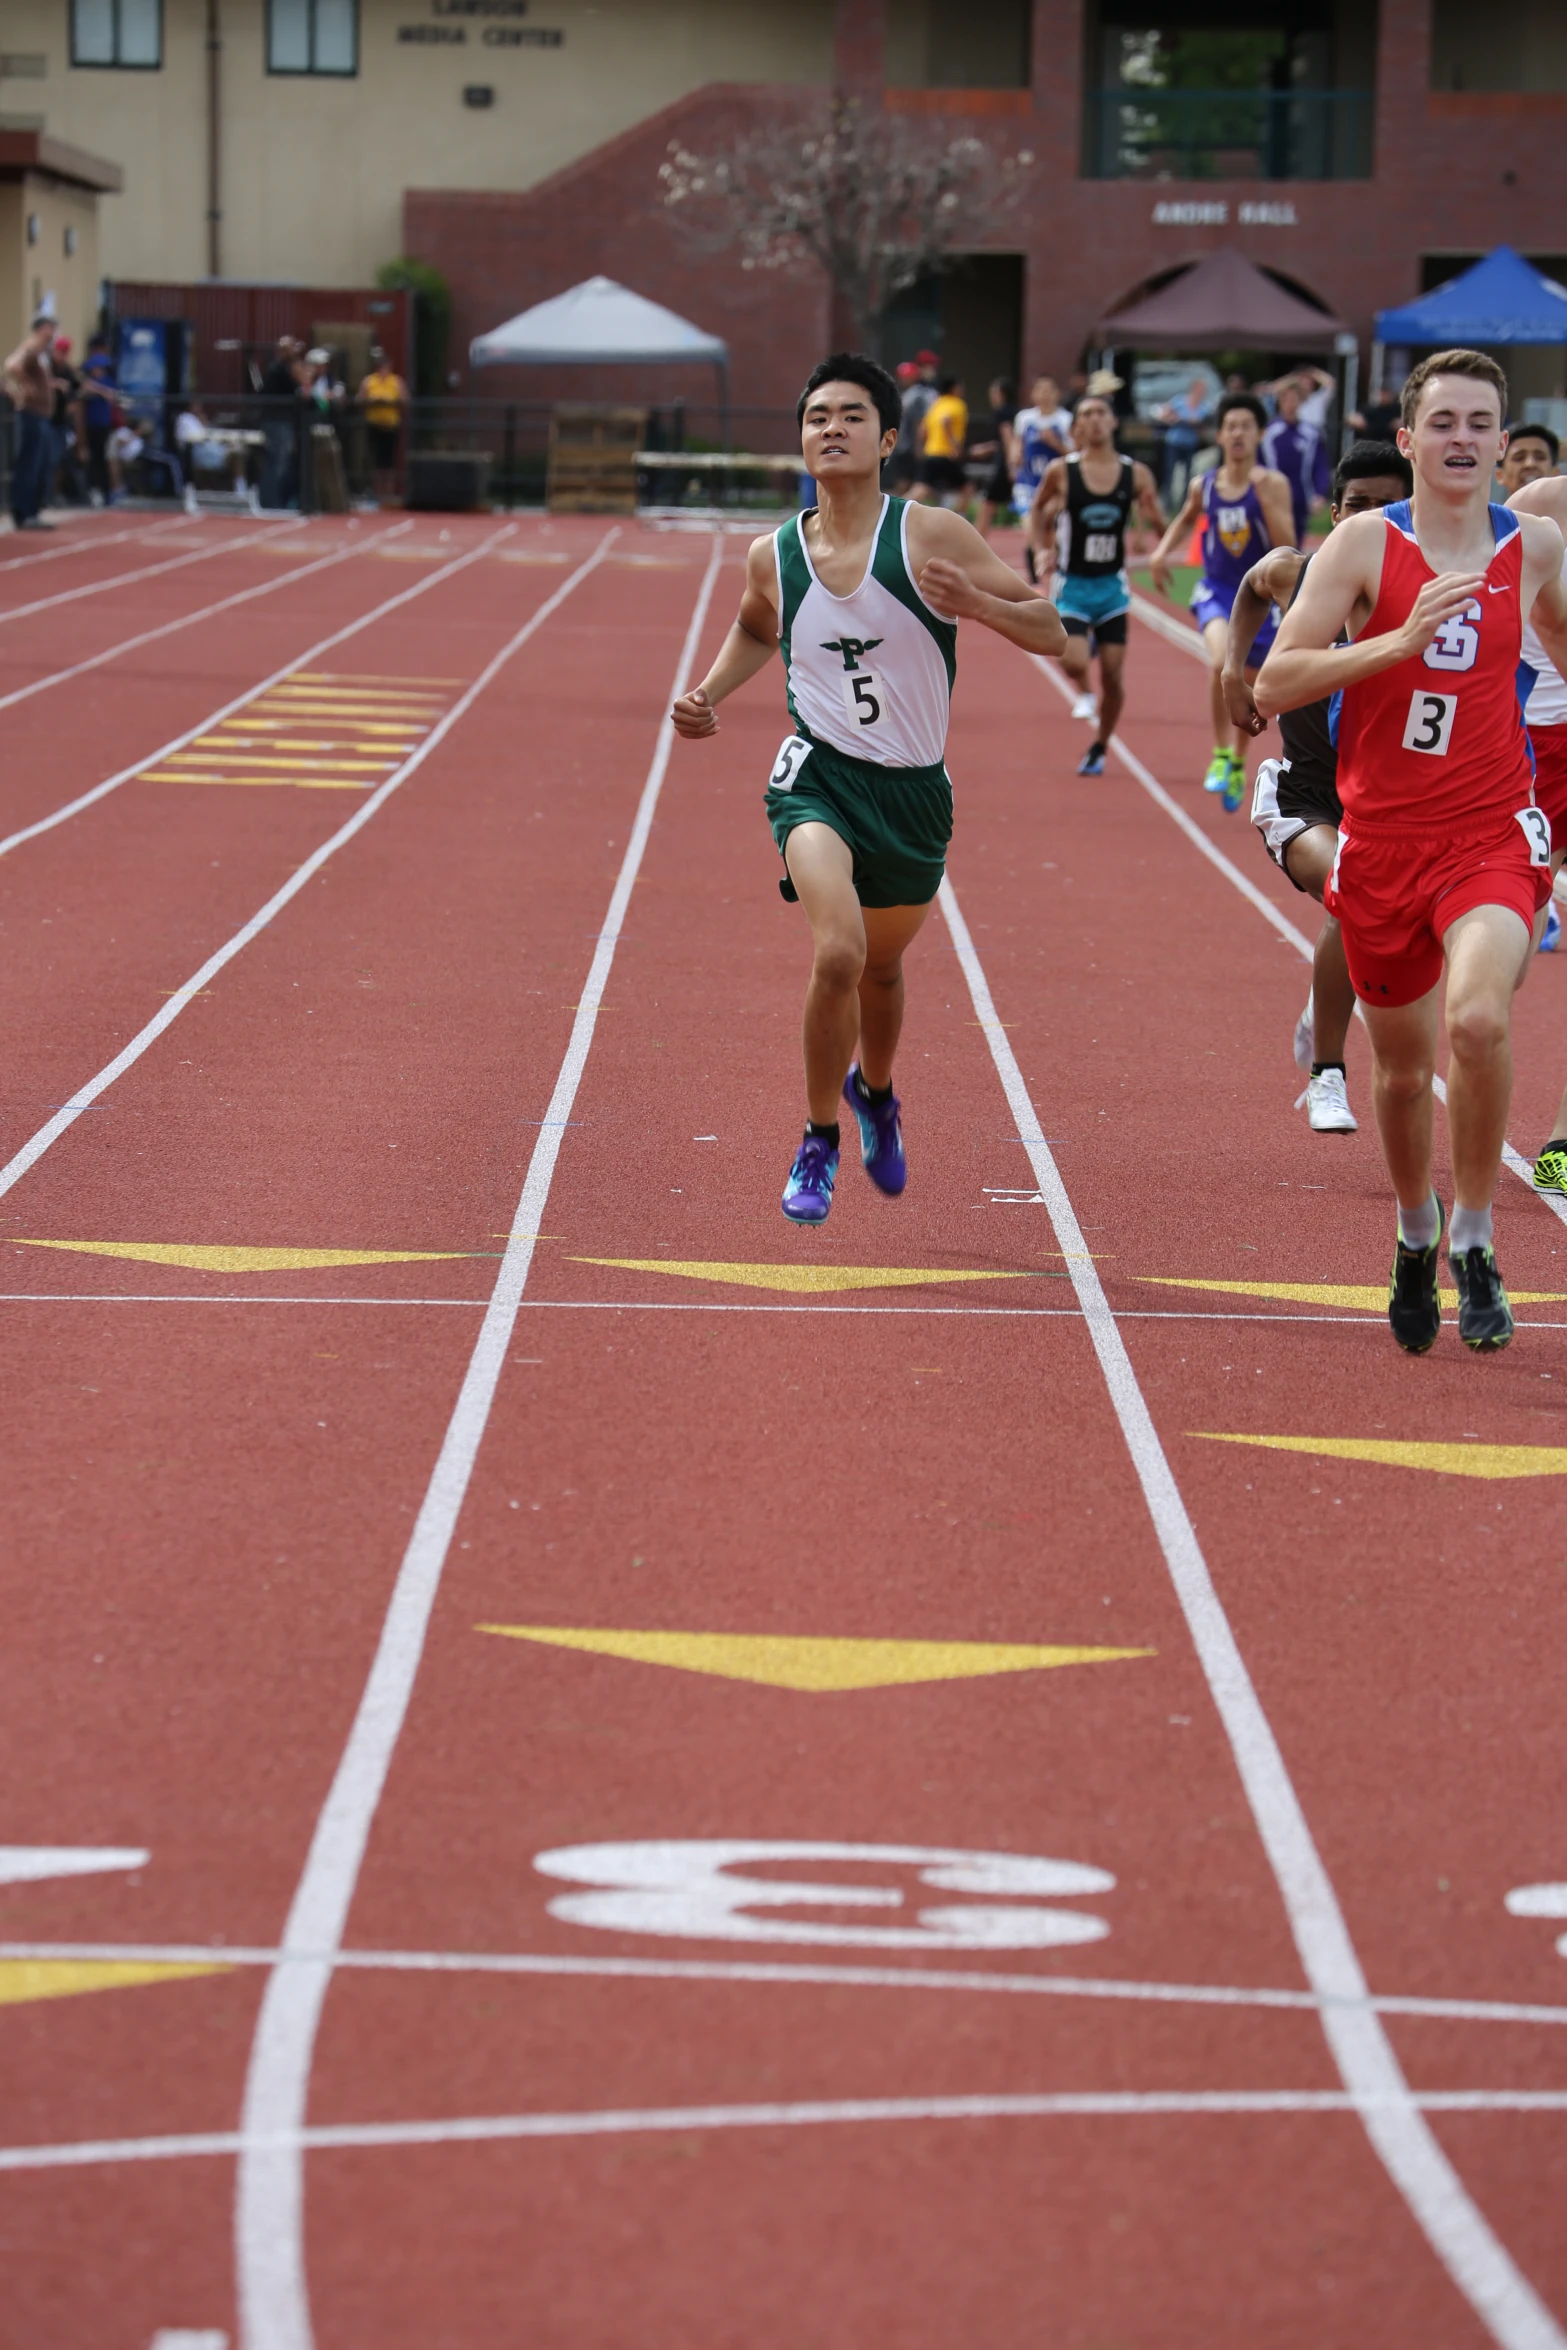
[863, 697]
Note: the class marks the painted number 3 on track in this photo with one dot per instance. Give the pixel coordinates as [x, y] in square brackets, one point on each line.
[698, 1889]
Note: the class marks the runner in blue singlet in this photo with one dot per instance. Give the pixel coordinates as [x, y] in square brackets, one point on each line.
[1245, 509]
[1041, 433]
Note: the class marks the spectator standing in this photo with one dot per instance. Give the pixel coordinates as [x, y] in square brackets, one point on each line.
[1183, 420]
[919, 393]
[1296, 450]
[97, 412]
[29, 380]
[943, 444]
[281, 385]
[67, 424]
[1000, 449]
[385, 399]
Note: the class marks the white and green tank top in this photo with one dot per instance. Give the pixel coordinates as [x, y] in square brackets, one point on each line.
[871, 673]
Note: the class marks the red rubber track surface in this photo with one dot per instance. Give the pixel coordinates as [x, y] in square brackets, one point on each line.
[207, 1503]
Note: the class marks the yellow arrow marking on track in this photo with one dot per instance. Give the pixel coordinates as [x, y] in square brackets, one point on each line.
[26, 1979]
[203, 1259]
[1446, 1460]
[815, 1278]
[1348, 1296]
[780, 1662]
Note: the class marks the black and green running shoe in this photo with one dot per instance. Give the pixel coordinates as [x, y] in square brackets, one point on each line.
[1485, 1319]
[1414, 1310]
[1550, 1168]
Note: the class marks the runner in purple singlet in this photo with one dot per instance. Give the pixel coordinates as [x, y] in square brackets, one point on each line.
[1246, 511]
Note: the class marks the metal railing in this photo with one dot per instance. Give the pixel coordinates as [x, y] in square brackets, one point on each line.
[275, 449]
[1136, 133]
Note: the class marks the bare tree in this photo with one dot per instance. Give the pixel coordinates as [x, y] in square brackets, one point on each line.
[872, 198]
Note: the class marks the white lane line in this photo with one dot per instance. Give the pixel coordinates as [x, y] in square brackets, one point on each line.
[696, 1970]
[269, 587]
[501, 2128]
[151, 636]
[84, 1097]
[117, 579]
[1520, 1166]
[84, 541]
[1452, 2222]
[1182, 634]
[269, 2214]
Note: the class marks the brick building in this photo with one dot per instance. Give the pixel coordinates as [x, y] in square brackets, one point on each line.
[1421, 148]
[1362, 148]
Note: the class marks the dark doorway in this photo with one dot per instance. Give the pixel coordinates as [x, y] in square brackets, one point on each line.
[971, 314]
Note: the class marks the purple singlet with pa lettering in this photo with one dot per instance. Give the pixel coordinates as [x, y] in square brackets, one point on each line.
[1235, 534]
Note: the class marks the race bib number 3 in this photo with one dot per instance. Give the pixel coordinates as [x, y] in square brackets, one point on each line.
[863, 696]
[1429, 727]
[1099, 546]
[792, 755]
[1535, 826]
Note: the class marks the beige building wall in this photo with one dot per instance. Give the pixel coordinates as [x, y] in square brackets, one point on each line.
[40, 218]
[314, 167]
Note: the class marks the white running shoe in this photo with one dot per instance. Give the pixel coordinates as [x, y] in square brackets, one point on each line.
[1327, 1105]
[1305, 1039]
[1085, 707]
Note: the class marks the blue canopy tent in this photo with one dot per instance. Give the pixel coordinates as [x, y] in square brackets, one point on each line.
[1501, 300]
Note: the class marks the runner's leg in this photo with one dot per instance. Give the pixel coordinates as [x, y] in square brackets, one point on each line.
[888, 930]
[1487, 954]
[1403, 1062]
[1558, 1133]
[1075, 655]
[1112, 689]
[822, 870]
[1216, 638]
[1308, 861]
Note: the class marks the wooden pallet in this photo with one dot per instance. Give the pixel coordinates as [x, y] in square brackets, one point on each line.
[593, 458]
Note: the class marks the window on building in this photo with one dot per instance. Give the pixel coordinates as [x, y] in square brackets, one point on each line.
[933, 46]
[312, 36]
[1521, 47]
[126, 33]
[1199, 89]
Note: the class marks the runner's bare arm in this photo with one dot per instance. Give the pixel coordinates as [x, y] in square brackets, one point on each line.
[1340, 591]
[1549, 609]
[1146, 490]
[1272, 581]
[1178, 532]
[960, 577]
[1049, 499]
[1273, 495]
[748, 647]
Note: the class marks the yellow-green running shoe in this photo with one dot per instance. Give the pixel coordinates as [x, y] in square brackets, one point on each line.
[1235, 784]
[1550, 1168]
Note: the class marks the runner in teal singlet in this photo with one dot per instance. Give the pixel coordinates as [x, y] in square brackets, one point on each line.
[862, 593]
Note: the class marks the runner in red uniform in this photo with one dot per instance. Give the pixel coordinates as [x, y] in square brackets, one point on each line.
[1444, 856]
[1545, 715]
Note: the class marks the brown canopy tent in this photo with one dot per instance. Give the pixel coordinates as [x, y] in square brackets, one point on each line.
[1221, 303]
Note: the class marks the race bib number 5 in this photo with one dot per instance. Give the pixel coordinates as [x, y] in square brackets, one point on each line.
[1429, 726]
[1535, 826]
[863, 696]
[792, 755]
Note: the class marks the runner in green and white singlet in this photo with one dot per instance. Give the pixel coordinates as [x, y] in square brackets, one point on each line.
[863, 594]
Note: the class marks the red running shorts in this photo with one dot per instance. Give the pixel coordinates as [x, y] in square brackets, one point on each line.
[1396, 897]
[1550, 778]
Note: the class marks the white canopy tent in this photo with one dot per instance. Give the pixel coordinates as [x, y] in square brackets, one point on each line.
[600, 324]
